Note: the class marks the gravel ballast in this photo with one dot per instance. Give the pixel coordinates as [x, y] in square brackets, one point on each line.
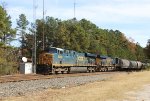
[23, 87]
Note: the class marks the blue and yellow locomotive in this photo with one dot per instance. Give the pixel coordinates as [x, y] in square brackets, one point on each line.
[54, 60]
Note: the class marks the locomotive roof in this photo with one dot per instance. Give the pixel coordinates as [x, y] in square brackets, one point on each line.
[58, 48]
[103, 56]
[90, 55]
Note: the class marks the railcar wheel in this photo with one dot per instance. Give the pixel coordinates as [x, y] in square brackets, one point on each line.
[56, 72]
[62, 72]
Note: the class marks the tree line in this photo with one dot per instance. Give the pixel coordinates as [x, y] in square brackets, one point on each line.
[84, 36]
[79, 35]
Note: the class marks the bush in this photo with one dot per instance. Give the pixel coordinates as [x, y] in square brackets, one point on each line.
[8, 61]
[148, 68]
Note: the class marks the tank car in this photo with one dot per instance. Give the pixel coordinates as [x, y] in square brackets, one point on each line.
[121, 63]
[133, 65]
[148, 64]
[139, 65]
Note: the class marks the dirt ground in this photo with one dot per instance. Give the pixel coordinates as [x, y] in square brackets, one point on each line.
[141, 95]
[133, 86]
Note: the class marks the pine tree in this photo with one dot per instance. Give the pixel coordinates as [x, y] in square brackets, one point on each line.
[147, 49]
[6, 32]
[22, 23]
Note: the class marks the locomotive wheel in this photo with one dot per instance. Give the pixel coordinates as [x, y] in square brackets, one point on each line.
[68, 71]
[106, 69]
[102, 70]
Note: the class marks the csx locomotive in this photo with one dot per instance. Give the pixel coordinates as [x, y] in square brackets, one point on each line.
[57, 60]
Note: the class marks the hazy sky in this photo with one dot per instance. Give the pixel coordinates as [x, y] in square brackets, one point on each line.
[132, 17]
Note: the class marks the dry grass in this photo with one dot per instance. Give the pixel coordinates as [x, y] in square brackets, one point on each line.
[110, 90]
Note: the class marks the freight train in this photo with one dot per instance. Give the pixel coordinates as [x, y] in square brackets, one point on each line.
[58, 60]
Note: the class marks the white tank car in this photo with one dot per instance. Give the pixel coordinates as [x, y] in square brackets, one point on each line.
[133, 64]
[124, 63]
[139, 64]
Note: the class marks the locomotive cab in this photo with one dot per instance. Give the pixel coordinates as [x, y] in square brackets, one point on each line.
[47, 58]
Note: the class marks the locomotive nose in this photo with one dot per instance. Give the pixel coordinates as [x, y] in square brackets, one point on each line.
[46, 59]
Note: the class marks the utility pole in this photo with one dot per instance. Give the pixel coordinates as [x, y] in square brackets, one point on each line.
[74, 9]
[34, 49]
[43, 27]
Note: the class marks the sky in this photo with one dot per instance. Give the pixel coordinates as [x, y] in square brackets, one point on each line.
[131, 17]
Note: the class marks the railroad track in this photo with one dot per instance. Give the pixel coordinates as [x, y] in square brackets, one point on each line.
[28, 77]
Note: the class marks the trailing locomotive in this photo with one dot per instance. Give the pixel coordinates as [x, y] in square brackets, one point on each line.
[105, 63]
[57, 60]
